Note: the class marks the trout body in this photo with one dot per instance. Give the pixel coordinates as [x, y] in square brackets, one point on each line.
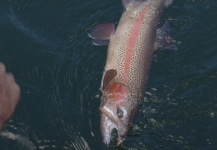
[128, 62]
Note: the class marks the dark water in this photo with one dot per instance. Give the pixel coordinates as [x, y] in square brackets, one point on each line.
[45, 45]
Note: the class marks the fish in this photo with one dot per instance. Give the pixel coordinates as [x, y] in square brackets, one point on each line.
[130, 49]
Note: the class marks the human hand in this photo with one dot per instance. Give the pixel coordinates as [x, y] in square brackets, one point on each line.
[9, 95]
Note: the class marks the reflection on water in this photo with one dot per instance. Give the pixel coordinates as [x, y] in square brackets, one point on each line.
[22, 141]
[12, 138]
[45, 45]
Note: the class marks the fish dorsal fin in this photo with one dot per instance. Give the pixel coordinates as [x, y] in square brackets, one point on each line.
[109, 75]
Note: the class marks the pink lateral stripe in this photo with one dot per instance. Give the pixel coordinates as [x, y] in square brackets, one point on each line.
[132, 41]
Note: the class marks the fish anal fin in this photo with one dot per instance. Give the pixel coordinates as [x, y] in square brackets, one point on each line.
[102, 31]
[109, 75]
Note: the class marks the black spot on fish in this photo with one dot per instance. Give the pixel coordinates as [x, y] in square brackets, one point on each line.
[109, 75]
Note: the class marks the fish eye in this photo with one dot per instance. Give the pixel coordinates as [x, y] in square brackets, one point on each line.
[121, 112]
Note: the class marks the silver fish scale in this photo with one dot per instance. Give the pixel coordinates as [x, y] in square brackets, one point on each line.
[117, 51]
[141, 53]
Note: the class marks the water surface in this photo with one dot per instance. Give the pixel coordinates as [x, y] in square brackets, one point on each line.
[45, 45]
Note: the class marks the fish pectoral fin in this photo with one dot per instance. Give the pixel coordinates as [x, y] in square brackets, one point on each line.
[164, 39]
[102, 33]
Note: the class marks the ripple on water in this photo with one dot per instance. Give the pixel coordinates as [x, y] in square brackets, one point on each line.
[17, 137]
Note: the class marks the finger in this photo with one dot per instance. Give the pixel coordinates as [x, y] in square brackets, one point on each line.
[16, 92]
[13, 88]
[10, 78]
[2, 68]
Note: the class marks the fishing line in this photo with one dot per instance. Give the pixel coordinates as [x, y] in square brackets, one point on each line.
[61, 99]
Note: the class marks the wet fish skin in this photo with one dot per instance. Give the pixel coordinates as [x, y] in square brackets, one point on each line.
[128, 62]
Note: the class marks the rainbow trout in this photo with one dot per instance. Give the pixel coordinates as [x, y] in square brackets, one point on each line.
[128, 62]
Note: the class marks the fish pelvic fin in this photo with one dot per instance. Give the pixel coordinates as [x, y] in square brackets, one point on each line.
[164, 38]
[101, 33]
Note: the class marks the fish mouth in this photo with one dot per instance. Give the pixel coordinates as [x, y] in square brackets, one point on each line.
[108, 123]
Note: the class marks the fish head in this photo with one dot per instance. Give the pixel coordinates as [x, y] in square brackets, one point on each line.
[116, 112]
